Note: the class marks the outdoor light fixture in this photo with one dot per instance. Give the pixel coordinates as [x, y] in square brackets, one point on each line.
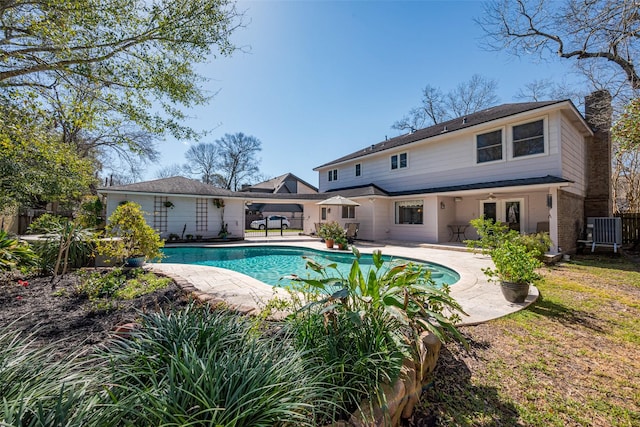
[442, 206]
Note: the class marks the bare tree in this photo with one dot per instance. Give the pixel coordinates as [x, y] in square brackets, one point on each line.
[468, 97]
[606, 32]
[626, 180]
[238, 163]
[169, 171]
[202, 160]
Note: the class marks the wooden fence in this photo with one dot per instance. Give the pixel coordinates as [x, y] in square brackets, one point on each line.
[630, 227]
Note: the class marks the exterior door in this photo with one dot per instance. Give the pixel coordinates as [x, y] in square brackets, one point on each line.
[508, 211]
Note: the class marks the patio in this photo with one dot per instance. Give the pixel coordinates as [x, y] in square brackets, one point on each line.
[481, 300]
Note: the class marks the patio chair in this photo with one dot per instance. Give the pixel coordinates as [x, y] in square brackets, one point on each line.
[351, 232]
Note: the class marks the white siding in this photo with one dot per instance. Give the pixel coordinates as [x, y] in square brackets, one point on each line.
[181, 219]
[573, 158]
[450, 160]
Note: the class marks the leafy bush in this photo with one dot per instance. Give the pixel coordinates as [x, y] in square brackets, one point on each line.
[90, 214]
[46, 223]
[515, 256]
[331, 230]
[492, 234]
[128, 235]
[513, 263]
[14, 254]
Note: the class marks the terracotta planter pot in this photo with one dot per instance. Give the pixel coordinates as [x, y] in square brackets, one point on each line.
[514, 292]
[329, 243]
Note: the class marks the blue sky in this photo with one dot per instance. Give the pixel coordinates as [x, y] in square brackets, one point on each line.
[321, 79]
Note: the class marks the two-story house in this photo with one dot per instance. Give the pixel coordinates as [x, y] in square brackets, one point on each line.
[533, 165]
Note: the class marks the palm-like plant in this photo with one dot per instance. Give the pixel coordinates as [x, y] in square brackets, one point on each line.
[404, 291]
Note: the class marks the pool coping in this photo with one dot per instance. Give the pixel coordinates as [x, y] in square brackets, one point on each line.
[481, 300]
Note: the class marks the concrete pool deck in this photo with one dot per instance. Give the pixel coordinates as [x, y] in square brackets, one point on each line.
[480, 299]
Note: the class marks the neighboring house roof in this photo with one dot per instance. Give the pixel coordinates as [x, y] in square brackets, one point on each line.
[173, 185]
[470, 120]
[279, 184]
[371, 189]
[276, 207]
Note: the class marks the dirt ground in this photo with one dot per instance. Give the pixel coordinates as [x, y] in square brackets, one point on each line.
[57, 315]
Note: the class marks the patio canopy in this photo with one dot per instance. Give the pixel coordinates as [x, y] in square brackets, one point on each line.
[338, 201]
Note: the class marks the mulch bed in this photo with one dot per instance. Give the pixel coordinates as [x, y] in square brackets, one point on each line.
[56, 314]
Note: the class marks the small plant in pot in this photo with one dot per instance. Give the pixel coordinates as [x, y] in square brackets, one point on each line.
[128, 237]
[515, 269]
[331, 231]
[341, 242]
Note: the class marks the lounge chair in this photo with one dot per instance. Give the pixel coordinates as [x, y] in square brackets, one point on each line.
[351, 232]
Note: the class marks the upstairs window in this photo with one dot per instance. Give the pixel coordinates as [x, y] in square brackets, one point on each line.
[399, 161]
[489, 146]
[358, 169]
[528, 139]
[333, 175]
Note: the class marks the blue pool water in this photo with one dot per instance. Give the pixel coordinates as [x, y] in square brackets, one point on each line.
[270, 263]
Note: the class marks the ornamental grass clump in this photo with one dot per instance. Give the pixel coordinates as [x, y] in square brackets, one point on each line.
[202, 366]
[38, 388]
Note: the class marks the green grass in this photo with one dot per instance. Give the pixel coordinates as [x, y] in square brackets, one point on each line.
[570, 359]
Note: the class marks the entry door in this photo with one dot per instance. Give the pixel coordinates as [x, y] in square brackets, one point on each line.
[508, 211]
[490, 210]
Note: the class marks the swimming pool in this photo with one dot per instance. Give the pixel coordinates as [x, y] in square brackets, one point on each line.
[270, 263]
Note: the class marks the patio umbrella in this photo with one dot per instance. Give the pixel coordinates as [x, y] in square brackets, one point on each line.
[338, 201]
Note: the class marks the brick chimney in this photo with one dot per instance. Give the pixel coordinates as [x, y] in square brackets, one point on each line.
[598, 113]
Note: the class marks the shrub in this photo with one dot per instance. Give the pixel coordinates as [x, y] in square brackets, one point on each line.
[15, 254]
[128, 235]
[513, 263]
[65, 244]
[493, 234]
[45, 223]
[331, 230]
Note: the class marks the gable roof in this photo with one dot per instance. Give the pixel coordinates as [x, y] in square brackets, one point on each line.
[473, 119]
[173, 185]
[278, 184]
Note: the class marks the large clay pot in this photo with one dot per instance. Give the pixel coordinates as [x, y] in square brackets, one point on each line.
[329, 243]
[514, 292]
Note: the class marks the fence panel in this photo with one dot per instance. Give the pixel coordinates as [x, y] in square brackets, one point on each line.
[630, 227]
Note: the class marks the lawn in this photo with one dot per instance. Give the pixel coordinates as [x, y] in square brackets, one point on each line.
[570, 359]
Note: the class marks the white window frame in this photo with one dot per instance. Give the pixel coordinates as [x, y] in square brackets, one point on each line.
[545, 136]
[358, 169]
[397, 157]
[332, 175]
[503, 131]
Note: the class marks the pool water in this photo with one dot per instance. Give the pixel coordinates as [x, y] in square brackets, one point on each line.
[270, 264]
